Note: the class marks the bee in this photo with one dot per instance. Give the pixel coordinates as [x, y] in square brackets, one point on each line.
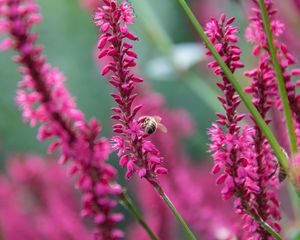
[151, 123]
[282, 175]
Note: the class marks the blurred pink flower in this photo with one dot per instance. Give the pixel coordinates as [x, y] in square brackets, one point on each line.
[90, 5]
[297, 3]
[44, 99]
[207, 8]
[36, 192]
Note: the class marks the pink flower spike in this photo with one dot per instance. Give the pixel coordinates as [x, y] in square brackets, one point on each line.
[43, 98]
[234, 148]
[135, 152]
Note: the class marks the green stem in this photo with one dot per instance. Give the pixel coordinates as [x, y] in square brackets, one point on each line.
[260, 221]
[186, 228]
[266, 226]
[244, 97]
[283, 94]
[280, 79]
[247, 101]
[127, 202]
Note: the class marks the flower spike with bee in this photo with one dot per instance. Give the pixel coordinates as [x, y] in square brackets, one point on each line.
[136, 152]
[151, 123]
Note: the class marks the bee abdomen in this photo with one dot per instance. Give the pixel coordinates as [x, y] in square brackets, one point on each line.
[282, 174]
[150, 128]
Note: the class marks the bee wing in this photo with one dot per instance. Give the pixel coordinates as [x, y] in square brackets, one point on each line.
[157, 118]
[162, 128]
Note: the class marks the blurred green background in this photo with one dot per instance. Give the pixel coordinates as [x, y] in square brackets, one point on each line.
[69, 37]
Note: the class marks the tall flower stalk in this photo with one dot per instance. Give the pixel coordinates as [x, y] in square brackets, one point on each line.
[281, 156]
[136, 152]
[145, 159]
[43, 99]
[255, 113]
[232, 146]
[263, 89]
[264, 30]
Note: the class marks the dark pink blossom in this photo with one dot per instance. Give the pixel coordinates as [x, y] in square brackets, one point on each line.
[135, 151]
[30, 196]
[297, 3]
[264, 90]
[43, 99]
[255, 34]
[232, 146]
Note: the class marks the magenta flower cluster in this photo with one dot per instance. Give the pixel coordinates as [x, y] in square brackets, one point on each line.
[231, 147]
[248, 173]
[43, 98]
[263, 90]
[30, 196]
[256, 34]
[247, 163]
[136, 152]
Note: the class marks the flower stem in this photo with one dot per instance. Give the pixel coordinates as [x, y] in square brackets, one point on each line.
[127, 202]
[260, 221]
[266, 226]
[247, 101]
[244, 97]
[280, 79]
[169, 203]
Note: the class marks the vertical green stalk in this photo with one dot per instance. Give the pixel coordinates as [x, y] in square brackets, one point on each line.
[283, 94]
[127, 202]
[266, 226]
[244, 97]
[188, 231]
[280, 79]
[178, 216]
[247, 101]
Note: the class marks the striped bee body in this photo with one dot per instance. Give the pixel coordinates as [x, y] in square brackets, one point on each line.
[150, 127]
[151, 123]
[281, 174]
